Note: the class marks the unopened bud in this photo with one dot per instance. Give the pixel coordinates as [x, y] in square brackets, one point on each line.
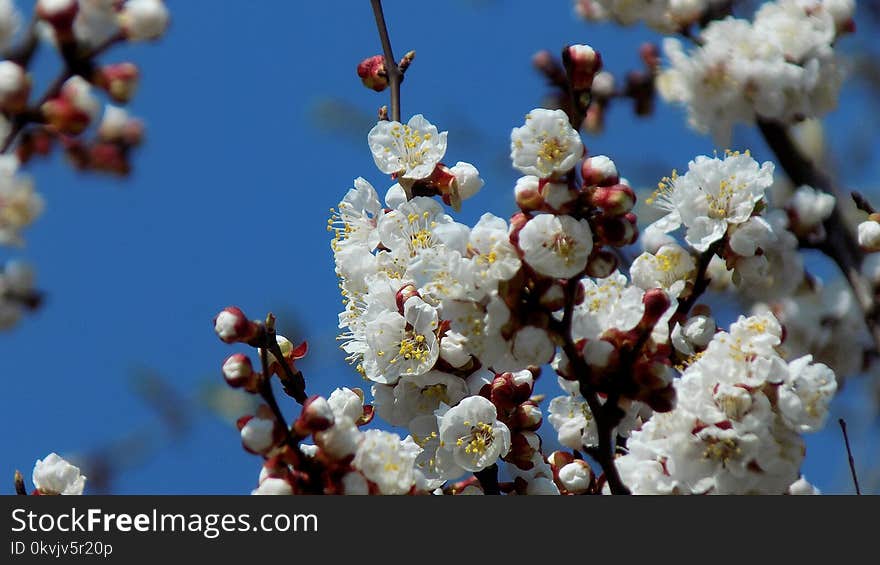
[616, 199]
[316, 416]
[527, 416]
[559, 459]
[118, 127]
[231, 325]
[553, 298]
[650, 55]
[656, 303]
[119, 80]
[259, 433]
[468, 178]
[15, 87]
[109, 157]
[237, 370]
[523, 445]
[405, 294]
[576, 477]
[603, 85]
[73, 109]
[59, 14]
[502, 393]
[528, 194]
[556, 195]
[143, 20]
[373, 74]
[869, 235]
[599, 170]
[406, 61]
[582, 62]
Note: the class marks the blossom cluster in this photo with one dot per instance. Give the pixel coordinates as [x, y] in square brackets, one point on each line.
[70, 114]
[736, 428]
[781, 66]
[452, 324]
[667, 16]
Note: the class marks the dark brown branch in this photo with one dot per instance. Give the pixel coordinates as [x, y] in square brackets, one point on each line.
[852, 462]
[395, 75]
[840, 244]
[607, 416]
[862, 202]
[488, 478]
[701, 283]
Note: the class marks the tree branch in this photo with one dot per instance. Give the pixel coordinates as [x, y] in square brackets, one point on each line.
[607, 416]
[852, 462]
[488, 478]
[840, 244]
[391, 68]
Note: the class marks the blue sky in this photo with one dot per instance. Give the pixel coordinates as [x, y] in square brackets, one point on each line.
[229, 200]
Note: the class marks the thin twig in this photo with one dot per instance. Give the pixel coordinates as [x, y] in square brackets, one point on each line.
[852, 462]
[862, 202]
[394, 73]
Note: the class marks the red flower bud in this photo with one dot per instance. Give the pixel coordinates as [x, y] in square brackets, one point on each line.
[373, 74]
[238, 370]
[231, 325]
[616, 199]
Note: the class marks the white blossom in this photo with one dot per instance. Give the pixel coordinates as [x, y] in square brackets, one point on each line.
[546, 145]
[713, 195]
[670, 268]
[412, 150]
[54, 475]
[556, 246]
[387, 461]
[473, 434]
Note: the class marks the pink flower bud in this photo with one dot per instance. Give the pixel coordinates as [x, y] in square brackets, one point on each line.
[559, 459]
[59, 14]
[316, 416]
[231, 325]
[15, 87]
[527, 416]
[616, 199]
[656, 303]
[650, 54]
[405, 294]
[119, 80]
[502, 393]
[73, 109]
[553, 298]
[260, 433]
[528, 194]
[372, 72]
[599, 170]
[576, 477]
[109, 157]
[523, 445]
[237, 370]
[582, 62]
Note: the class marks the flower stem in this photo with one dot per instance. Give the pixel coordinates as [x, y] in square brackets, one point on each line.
[391, 67]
